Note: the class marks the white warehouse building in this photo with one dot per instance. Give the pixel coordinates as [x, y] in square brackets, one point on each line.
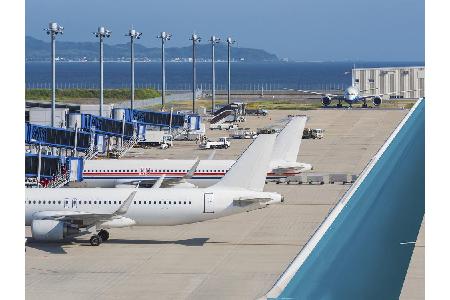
[399, 82]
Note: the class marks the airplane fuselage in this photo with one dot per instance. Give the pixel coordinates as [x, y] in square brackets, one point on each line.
[110, 173]
[150, 207]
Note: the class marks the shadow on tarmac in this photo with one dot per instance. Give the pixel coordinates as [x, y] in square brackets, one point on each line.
[57, 247]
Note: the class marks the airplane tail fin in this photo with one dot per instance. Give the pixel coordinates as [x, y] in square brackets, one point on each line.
[288, 141]
[250, 170]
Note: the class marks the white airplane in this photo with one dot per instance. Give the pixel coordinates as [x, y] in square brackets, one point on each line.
[352, 95]
[184, 173]
[55, 214]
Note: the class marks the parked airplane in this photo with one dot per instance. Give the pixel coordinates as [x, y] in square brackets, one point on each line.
[55, 214]
[112, 173]
[352, 95]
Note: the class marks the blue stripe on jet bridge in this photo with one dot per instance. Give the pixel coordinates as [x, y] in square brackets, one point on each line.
[365, 253]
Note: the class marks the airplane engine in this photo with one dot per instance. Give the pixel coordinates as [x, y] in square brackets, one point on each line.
[377, 101]
[51, 230]
[326, 100]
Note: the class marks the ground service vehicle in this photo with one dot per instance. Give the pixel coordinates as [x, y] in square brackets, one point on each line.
[310, 133]
[222, 143]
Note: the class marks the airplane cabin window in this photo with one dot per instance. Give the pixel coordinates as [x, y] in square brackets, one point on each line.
[139, 202]
[95, 202]
[179, 202]
[134, 202]
[79, 202]
[189, 202]
[39, 202]
[145, 202]
[159, 202]
[164, 202]
[114, 202]
[29, 201]
[59, 202]
[109, 202]
[34, 202]
[54, 202]
[120, 202]
[154, 202]
[84, 202]
[170, 202]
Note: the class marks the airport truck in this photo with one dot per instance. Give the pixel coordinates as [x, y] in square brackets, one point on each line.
[256, 112]
[222, 143]
[154, 138]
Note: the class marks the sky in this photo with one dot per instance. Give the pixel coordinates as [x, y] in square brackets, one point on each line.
[302, 30]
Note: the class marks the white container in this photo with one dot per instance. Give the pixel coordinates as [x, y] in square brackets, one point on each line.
[43, 116]
[74, 119]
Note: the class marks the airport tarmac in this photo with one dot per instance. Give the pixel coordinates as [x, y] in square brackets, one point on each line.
[237, 257]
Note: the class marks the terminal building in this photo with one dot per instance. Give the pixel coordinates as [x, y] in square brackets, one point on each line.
[395, 82]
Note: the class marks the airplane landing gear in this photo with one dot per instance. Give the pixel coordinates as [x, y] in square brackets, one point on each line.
[339, 105]
[95, 240]
[104, 235]
[364, 105]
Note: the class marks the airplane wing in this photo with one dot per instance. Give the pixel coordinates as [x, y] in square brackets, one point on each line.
[317, 93]
[173, 182]
[86, 218]
[352, 254]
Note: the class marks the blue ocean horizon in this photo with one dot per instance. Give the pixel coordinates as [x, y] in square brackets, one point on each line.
[245, 76]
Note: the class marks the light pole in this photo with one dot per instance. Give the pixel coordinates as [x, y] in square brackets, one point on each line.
[164, 36]
[229, 42]
[195, 39]
[101, 34]
[133, 34]
[214, 40]
[53, 30]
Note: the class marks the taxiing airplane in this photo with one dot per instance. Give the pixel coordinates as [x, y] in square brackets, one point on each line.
[56, 214]
[352, 95]
[184, 173]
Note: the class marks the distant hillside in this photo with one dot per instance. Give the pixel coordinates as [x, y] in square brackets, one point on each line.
[38, 50]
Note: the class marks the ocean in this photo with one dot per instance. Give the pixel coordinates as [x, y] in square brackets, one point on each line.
[244, 76]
